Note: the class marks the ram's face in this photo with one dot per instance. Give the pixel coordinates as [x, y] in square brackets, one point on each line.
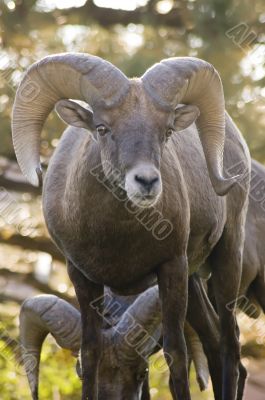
[131, 137]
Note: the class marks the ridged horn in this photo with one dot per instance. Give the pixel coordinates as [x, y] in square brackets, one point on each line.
[61, 76]
[189, 80]
[140, 328]
[40, 316]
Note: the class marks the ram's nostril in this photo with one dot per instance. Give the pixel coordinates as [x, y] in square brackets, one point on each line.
[140, 179]
[154, 180]
[147, 183]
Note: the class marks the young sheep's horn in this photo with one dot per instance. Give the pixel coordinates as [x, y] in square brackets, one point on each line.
[61, 76]
[190, 80]
[40, 316]
[139, 329]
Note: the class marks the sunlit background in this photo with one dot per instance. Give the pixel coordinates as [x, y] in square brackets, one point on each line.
[133, 34]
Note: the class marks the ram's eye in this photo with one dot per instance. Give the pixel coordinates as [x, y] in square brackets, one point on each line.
[169, 133]
[102, 130]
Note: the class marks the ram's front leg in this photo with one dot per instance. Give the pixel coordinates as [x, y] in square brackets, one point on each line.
[173, 291]
[87, 292]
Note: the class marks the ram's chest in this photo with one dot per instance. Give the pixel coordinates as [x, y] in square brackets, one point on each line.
[119, 251]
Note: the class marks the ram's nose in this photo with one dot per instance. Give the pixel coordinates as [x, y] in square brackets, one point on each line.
[146, 182]
[143, 184]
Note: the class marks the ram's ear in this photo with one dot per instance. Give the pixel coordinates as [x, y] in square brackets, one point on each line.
[74, 114]
[185, 116]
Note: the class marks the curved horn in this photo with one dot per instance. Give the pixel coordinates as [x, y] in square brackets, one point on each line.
[140, 328]
[71, 75]
[40, 316]
[190, 80]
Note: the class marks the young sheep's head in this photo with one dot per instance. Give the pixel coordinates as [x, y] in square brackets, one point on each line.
[119, 378]
[123, 367]
[132, 328]
[131, 118]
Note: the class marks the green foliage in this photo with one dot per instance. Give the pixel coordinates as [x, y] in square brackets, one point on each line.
[58, 379]
[159, 384]
[58, 376]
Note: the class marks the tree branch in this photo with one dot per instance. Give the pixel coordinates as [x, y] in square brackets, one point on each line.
[90, 13]
[18, 185]
[29, 279]
[12, 179]
[37, 244]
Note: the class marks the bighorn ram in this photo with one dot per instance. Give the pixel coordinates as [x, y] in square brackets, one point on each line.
[144, 162]
[124, 365]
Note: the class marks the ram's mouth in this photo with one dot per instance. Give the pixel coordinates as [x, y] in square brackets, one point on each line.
[144, 201]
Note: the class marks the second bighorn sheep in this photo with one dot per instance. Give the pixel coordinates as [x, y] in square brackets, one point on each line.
[143, 130]
[251, 296]
[123, 370]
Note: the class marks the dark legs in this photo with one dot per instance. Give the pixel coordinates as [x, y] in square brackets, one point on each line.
[258, 288]
[86, 292]
[173, 290]
[241, 381]
[226, 262]
[203, 318]
[204, 321]
[145, 390]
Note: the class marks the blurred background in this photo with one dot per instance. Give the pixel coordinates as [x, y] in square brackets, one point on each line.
[132, 34]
